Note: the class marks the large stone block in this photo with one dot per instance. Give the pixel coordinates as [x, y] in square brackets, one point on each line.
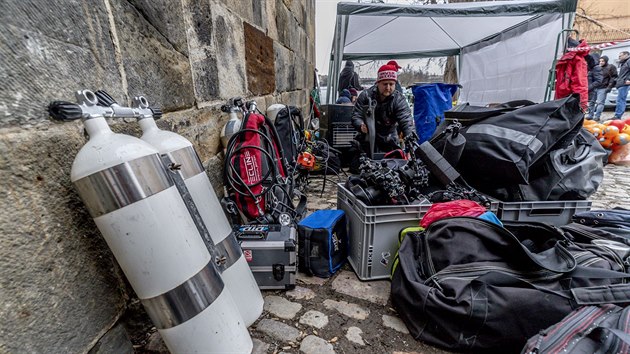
[310, 19]
[295, 98]
[284, 20]
[203, 58]
[116, 340]
[252, 11]
[285, 68]
[259, 58]
[298, 10]
[61, 288]
[289, 29]
[258, 12]
[198, 21]
[166, 17]
[206, 77]
[201, 126]
[48, 52]
[230, 51]
[153, 67]
[270, 19]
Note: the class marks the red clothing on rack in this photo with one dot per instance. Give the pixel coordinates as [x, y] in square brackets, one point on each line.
[571, 75]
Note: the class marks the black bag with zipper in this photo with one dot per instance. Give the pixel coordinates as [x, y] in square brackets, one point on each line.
[589, 329]
[468, 284]
[571, 173]
[503, 143]
[616, 220]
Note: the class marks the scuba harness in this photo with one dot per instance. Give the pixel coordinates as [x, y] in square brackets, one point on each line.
[258, 181]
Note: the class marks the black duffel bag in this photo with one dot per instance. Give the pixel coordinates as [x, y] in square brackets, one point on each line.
[503, 143]
[590, 329]
[469, 284]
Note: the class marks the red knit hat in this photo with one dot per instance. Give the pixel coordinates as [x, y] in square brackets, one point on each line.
[394, 63]
[387, 72]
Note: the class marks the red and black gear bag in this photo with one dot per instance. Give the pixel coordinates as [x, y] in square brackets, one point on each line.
[253, 162]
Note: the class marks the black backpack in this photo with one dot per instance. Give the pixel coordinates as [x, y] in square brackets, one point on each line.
[469, 284]
[289, 125]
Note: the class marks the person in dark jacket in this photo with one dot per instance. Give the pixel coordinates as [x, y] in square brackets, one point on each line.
[348, 78]
[344, 97]
[609, 72]
[389, 110]
[595, 79]
[622, 83]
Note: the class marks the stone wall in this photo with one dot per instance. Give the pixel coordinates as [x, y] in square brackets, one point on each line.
[60, 288]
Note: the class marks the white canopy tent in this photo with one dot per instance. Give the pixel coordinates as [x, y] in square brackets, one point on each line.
[505, 48]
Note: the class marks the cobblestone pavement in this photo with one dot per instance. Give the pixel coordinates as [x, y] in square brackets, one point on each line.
[345, 315]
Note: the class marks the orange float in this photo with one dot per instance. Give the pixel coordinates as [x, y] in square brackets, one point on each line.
[621, 139]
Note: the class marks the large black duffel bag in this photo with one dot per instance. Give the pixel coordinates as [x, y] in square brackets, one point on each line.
[503, 143]
[468, 284]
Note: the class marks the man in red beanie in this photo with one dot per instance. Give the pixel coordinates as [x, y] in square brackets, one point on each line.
[389, 110]
[398, 67]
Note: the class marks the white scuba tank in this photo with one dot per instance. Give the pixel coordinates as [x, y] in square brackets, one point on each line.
[235, 271]
[143, 219]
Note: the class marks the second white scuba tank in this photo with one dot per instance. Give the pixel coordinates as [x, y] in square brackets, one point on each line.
[145, 223]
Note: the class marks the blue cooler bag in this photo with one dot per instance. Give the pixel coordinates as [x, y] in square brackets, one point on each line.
[430, 101]
[322, 243]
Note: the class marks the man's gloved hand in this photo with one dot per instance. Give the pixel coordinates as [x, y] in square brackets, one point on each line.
[413, 136]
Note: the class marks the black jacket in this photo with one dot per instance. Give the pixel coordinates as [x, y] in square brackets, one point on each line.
[348, 78]
[624, 73]
[610, 76]
[595, 76]
[392, 112]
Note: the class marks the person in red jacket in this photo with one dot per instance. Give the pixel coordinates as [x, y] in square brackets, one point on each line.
[571, 75]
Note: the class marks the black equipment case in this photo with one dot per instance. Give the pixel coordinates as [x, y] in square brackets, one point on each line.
[270, 251]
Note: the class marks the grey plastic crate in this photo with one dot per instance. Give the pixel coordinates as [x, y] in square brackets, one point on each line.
[374, 232]
[556, 213]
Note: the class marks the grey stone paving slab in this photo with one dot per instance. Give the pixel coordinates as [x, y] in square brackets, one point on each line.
[260, 347]
[314, 319]
[278, 330]
[395, 323]
[311, 280]
[300, 293]
[374, 291]
[315, 345]
[348, 309]
[281, 307]
[354, 335]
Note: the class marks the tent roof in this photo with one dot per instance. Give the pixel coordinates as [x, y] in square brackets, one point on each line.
[389, 31]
